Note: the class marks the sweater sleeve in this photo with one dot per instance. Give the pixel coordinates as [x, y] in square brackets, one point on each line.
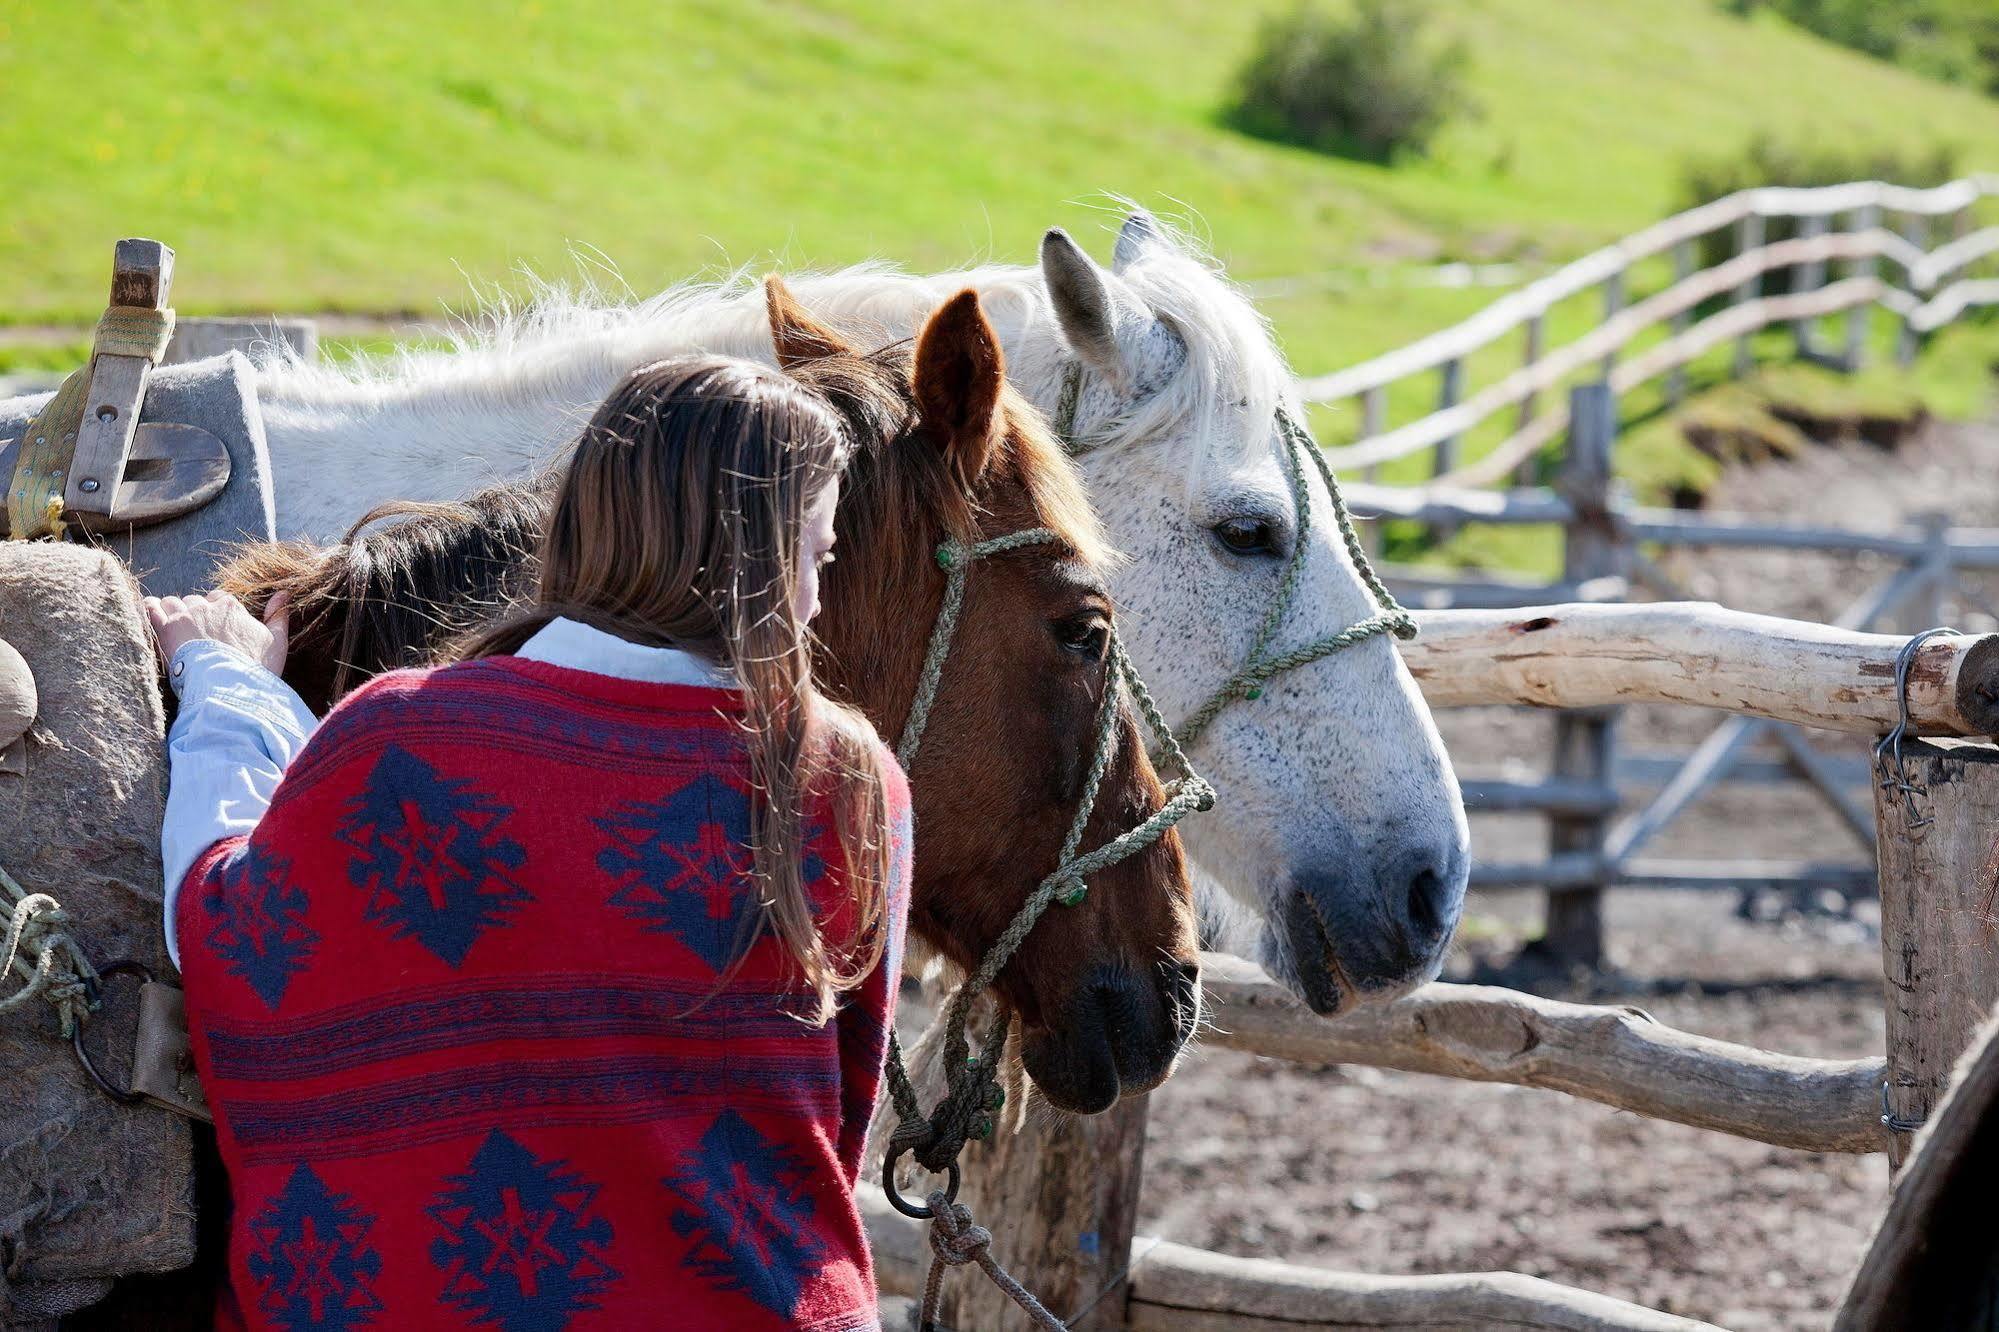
[869, 1015]
[238, 729]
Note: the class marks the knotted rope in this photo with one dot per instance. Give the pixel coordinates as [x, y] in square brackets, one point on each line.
[955, 1240]
[35, 495]
[40, 951]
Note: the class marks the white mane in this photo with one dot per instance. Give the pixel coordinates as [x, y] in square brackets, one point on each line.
[561, 348]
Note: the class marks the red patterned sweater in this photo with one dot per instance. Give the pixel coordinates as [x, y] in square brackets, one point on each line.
[455, 1003]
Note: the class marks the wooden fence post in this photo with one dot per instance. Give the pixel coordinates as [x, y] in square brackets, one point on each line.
[1683, 268]
[1613, 304]
[1061, 1198]
[1864, 220]
[1939, 918]
[1748, 238]
[1450, 388]
[1584, 738]
[1915, 230]
[1807, 277]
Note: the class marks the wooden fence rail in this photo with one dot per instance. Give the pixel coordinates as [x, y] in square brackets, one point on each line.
[1616, 1056]
[1933, 290]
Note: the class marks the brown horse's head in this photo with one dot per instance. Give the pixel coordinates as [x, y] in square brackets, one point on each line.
[1107, 990]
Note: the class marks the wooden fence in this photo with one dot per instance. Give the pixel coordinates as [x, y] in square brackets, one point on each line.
[1061, 1195]
[1841, 224]
[1877, 234]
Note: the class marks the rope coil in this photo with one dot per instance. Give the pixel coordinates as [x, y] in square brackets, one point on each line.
[41, 953]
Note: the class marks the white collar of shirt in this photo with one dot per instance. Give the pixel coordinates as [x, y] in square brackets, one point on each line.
[583, 647]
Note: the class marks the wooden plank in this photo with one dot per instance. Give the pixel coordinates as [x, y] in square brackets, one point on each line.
[1695, 875]
[1612, 1055]
[142, 276]
[1553, 795]
[1583, 655]
[1939, 924]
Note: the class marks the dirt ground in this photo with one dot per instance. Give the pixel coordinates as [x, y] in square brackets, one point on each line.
[1387, 1172]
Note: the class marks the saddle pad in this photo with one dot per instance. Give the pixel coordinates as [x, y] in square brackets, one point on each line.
[218, 395]
[89, 1189]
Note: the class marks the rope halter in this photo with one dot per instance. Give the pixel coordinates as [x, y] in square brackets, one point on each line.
[973, 1094]
[1262, 663]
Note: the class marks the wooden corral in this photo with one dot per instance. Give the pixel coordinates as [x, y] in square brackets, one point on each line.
[1939, 870]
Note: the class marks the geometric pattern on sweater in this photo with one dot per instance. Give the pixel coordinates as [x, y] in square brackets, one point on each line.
[310, 1261]
[431, 855]
[681, 865]
[747, 1213]
[524, 1248]
[260, 924]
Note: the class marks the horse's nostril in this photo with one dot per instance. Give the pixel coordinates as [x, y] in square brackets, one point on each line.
[1429, 903]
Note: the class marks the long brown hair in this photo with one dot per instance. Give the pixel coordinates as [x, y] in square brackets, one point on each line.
[677, 523]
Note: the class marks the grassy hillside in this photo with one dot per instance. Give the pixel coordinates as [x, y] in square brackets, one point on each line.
[373, 157]
[367, 156]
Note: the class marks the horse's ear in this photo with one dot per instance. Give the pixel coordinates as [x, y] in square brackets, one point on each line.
[1140, 233]
[797, 336]
[1087, 306]
[960, 371]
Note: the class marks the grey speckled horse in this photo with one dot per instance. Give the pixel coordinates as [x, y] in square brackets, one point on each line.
[1338, 855]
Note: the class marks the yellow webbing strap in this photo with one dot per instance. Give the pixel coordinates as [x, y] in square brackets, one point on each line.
[34, 494]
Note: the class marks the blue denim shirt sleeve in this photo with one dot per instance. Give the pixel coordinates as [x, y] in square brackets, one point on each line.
[239, 728]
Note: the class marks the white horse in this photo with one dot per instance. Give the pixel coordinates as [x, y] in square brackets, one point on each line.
[1338, 853]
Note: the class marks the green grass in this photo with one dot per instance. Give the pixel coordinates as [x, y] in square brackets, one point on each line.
[371, 157]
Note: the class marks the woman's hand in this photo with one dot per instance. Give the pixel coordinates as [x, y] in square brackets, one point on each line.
[220, 618]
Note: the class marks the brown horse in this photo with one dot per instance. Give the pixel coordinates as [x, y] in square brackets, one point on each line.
[1106, 991]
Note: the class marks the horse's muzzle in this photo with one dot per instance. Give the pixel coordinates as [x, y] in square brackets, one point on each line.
[1121, 1035]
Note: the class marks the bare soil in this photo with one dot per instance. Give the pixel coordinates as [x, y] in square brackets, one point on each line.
[1387, 1172]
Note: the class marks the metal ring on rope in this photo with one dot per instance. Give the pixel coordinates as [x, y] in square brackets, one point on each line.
[952, 1178]
[122, 1095]
[1888, 761]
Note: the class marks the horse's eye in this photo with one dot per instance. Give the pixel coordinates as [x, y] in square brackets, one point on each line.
[1086, 635]
[1246, 536]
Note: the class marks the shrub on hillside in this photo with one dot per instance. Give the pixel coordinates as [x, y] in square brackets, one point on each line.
[1363, 83]
[1953, 40]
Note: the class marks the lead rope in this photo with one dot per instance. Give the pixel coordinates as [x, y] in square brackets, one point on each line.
[972, 1095]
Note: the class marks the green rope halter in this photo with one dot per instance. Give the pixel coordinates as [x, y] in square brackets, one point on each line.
[1262, 664]
[973, 1094]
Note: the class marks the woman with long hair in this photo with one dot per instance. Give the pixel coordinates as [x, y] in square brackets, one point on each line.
[550, 988]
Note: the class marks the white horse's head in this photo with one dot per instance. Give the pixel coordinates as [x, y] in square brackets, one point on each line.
[1339, 846]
